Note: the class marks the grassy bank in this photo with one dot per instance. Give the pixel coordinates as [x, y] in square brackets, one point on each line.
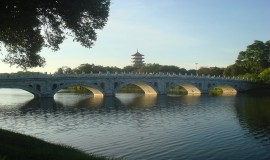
[14, 146]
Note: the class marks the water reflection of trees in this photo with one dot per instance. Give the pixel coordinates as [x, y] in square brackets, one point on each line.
[253, 113]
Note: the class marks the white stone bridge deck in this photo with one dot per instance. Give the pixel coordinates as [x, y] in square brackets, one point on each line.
[46, 85]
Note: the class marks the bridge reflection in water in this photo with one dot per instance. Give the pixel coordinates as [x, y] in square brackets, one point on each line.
[71, 99]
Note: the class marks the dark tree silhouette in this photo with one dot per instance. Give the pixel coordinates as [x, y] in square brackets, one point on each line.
[26, 26]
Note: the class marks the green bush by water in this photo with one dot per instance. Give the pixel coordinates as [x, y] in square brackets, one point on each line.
[78, 89]
[178, 90]
[130, 88]
[216, 92]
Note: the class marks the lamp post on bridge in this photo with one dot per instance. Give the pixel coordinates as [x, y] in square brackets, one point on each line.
[196, 68]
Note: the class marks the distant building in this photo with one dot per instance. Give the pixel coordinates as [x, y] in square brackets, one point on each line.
[137, 59]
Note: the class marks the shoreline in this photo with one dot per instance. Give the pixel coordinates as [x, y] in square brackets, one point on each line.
[15, 146]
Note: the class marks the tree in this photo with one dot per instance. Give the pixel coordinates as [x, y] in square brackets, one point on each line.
[155, 68]
[250, 76]
[204, 70]
[150, 68]
[91, 68]
[130, 68]
[234, 70]
[265, 75]
[192, 71]
[256, 57]
[26, 26]
[64, 70]
[216, 71]
[84, 68]
[170, 69]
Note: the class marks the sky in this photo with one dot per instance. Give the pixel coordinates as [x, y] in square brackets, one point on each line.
[168, 32]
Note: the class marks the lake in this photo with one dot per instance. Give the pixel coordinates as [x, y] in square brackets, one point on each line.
[134, 126]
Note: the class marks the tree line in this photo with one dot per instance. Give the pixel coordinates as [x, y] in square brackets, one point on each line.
[146, 68]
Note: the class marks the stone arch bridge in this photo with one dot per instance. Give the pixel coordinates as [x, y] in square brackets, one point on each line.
[46, 85]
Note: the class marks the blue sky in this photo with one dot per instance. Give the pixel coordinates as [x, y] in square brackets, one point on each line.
[168, 32]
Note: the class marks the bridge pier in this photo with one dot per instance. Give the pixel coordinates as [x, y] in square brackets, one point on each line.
[162, 92]
[204, 91]
[44, 95]
[109, 95]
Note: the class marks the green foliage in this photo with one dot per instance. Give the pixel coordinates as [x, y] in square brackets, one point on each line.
[64, 70]
[27, 73]
[16, 146]
[130, 88]
[234, 70]
[79, 89]
[29, 25]
[178, 90]
[155, 68]
[203, 70]
[148, 68]
[250, 76]
[265, 75]
[256, 57]
[191, 71]
[252, 64]
[216, 71]
[91, 68]
[131, 68]
[212, 71]
[216, 92]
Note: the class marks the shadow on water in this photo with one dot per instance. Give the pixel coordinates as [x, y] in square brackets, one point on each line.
[253, 113]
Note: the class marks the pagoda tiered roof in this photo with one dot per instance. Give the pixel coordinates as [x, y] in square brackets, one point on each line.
[138, 54]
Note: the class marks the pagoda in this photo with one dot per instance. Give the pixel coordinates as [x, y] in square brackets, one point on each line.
[137, 59]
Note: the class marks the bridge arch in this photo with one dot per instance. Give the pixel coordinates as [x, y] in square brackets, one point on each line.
[95, 88]
[28, 89]
[148, 88]
[226, 89]
[190, 88]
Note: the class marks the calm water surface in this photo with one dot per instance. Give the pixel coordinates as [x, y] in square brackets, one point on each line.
[145, 127]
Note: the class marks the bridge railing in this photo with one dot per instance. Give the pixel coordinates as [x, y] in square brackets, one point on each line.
[122, 74]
